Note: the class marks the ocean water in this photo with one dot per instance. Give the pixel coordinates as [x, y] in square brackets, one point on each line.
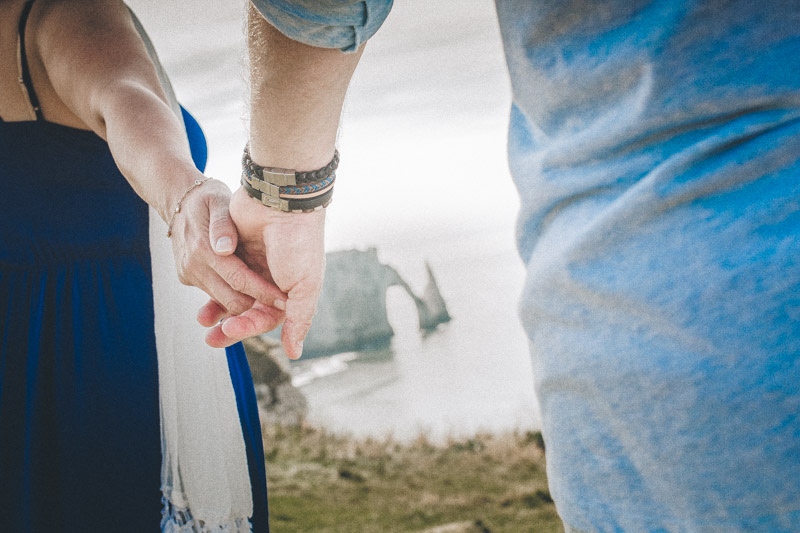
[423, 178]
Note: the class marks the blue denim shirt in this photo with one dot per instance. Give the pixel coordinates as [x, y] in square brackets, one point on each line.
[656, 150]
[342, 24]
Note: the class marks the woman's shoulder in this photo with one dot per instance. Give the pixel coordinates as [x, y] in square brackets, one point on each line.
[13, 106]
[72, 50]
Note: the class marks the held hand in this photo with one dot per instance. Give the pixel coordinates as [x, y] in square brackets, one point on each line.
[287, 249]
[204, 226]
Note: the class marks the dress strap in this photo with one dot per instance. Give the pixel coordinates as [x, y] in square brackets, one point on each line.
[22, 60]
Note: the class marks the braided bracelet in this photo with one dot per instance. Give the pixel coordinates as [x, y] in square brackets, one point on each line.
[288, 190]
[252, 179]
[292, 204]
[285, 176]
[177, 210]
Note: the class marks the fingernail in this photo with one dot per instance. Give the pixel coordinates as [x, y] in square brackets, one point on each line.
[298, 348]
[224, 245]
[279, 304]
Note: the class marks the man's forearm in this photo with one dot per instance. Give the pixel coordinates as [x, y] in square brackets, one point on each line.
[297, 93]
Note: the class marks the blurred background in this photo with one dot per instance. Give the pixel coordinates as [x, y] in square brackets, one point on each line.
[423, 178]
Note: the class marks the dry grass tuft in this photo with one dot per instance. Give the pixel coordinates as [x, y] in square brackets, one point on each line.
[321, 482]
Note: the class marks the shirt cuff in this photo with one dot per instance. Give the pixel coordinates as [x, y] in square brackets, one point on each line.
[342, 24]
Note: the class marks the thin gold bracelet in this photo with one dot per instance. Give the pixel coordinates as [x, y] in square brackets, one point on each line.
[177, 210]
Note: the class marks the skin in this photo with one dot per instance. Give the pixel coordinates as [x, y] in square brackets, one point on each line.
[297, 93]
[91, 71]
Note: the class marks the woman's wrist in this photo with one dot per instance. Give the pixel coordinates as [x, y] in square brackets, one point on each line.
[179, 206]
[176, 179]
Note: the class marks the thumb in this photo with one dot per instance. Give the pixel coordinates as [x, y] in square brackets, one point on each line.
[221, 229]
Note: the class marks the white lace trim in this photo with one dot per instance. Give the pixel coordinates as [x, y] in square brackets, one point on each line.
[176, 519]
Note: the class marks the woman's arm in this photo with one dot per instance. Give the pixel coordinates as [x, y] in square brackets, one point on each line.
[99, 68]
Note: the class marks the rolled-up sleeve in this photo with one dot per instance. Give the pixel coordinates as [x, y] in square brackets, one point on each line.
[342, 24]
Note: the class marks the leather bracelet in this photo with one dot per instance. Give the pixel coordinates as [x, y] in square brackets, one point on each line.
[285, 176]
[288, 190]
[257, 183]
[300, 205]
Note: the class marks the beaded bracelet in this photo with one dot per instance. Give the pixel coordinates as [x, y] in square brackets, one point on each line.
[286, 189]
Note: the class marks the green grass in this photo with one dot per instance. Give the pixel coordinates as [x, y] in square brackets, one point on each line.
[320, 482]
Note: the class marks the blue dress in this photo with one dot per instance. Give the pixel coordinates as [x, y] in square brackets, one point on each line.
[80, 445]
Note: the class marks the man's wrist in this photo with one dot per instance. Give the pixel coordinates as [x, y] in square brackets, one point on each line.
[289, 190]
[249, 215]
[303, 156]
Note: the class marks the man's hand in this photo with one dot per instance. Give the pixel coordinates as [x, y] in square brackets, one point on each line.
[296, 97]
[203, 240]
[286, 249]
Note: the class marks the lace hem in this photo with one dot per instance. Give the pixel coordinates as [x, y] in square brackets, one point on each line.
[176, 519]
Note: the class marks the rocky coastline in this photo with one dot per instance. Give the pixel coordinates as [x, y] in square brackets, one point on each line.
[279, 402]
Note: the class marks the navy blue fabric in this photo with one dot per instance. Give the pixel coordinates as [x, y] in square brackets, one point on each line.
[197, 140]
[251, 429]
[79, 418]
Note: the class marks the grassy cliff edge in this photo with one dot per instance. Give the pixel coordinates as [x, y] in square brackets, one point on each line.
[323, 482]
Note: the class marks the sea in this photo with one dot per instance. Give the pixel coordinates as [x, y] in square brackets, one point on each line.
[423, 178]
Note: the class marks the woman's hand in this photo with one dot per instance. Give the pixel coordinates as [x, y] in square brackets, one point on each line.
[204, 239]
[105, 80]
[287, 249]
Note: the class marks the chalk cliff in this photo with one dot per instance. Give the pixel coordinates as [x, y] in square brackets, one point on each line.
[351, 314]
